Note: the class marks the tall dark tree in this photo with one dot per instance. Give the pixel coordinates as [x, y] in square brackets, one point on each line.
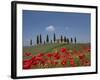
[37, 40]
[30, 42]
[71, 40]
[68, 40]
[40, 39]
[75, 40]
[61, 38]
[47, 39]
[54, 37]
[65, 40]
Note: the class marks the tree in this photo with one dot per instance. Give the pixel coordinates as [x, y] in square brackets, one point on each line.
[54, 37]
[37, 40]
[30, 42]
[47, 39]
[61, 38]
[71, 40]
[65, 40]
[75, 40]
[40, 39]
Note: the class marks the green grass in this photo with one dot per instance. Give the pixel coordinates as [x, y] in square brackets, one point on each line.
[47, 48]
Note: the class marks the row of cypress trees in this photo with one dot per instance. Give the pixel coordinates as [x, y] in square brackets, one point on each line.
[62, 39]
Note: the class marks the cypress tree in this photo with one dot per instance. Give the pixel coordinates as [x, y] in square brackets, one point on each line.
[54, 37]
[61, 38]
[47, 39]
[40, 39]
[30, 42]
[71, 40]
[67, 40]
[75, 40]
[37, 40]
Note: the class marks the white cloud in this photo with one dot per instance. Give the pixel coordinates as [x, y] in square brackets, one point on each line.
[50, 28]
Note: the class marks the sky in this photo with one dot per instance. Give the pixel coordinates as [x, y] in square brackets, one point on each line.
[61, 23]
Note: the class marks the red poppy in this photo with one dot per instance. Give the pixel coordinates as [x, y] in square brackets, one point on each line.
[86, 63]
[81, 56]
[35, 63]
[49, 61]
[57, 57]
[63, 49]
[38, 58]
[54, 62]
[69, 56]
[63, 62]
[88, 49]
[55, 54]
[40, 55]
[43, 61]
[27, 64]
[33, 58]
[28, 54]
[63, 56]
[72, 62]
[49, 55]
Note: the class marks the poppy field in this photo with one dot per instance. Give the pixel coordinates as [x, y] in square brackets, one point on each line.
[56, 56]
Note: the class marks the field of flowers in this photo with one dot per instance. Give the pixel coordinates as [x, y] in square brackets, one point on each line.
[56, 55]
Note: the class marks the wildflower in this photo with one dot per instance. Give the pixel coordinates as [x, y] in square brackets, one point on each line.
[81, 56]
[63, 49]
[49, 55]
[27, 64]
[72, 62]
[28, 54]
[63, 62]
[40, 55]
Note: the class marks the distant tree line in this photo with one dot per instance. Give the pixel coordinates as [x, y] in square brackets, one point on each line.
[62, 39]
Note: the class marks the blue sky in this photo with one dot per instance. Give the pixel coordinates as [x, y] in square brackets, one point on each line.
[61, 23]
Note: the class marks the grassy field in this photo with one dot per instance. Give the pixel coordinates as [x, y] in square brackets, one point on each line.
[52, 47]
[74, 51]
